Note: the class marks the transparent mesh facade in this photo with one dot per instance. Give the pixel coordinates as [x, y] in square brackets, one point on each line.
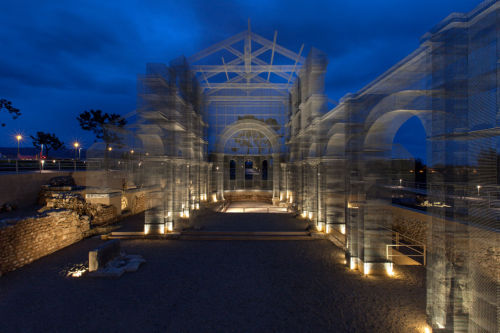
[247, 114]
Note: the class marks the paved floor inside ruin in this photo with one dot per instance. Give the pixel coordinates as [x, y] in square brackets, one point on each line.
[254, 207]
[214, 286]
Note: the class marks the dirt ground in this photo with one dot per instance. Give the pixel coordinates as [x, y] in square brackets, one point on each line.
[214, 286]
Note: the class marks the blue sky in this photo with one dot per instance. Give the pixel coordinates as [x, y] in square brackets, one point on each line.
[60, 58]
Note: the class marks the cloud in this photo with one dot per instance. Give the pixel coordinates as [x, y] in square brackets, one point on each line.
[85, 54]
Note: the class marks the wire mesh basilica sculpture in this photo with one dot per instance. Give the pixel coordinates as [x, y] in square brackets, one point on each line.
[247, 114]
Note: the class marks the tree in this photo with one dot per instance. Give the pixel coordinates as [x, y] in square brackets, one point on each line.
[49, 141]
[7, 105]
[102, 124]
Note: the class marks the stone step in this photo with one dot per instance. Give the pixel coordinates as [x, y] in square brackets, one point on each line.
[244, 238]
[245, 233]
[139, 235]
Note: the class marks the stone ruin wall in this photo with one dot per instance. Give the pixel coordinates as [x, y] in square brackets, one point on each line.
[25, 240]
[64, 219]
[481, 245]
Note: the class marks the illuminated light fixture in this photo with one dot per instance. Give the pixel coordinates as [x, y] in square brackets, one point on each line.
[291, 199]
[76, 144]
[400, 182]
[281, 196]
[478, 188]
[304, 214]
[77, 273]
[170, 226]
[132, 151]
[439, 325]
[214, 197]
[54, 161]
[162, 229]
[389, 268]
[110, 148]
[186, 213]
[310, 215]
[352, 263]
[192, 206]
[366, 268]
[352, 205]
[427, 329]
[319, 226]
[328, 228]
[197, 206]
[342, 229]
[147, 229]
[19, 137]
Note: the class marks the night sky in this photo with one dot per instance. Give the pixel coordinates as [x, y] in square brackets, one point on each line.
[59, 59]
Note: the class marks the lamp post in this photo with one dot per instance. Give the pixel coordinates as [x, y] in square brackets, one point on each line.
[19, 138]
[76, 145]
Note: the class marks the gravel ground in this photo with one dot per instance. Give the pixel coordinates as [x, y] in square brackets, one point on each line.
[214, 286]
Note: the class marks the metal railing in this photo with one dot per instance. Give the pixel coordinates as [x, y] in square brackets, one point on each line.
[23, 166]
[406, 247]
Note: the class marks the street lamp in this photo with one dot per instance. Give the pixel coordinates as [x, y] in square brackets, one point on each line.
[76, 145]
[19, 138]
[478, 188]
[110, 148]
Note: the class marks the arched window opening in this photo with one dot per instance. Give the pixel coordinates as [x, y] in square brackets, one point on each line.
[264, 170]
[248, 170]
[232, 170]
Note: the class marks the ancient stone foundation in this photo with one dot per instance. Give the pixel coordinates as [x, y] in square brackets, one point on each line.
[25, 240]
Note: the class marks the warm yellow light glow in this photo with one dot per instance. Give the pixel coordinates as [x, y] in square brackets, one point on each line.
[197, 206]
[170, 226]
[427, 329]
[162, 229]
[342, 229]
[366, 268]
[352, 263]
[76, 144]
[310, 215]
[214, 197]
[281, 196]
[291, 199]
[319, 226]
[389, 267]
[77, 273]
[328, 228]
[192, 206]
[19, 137]
[352, 205]
[181, 213]
[304, 214]
[132, 151]
[110, 148]
[186, 213]
[147, 228]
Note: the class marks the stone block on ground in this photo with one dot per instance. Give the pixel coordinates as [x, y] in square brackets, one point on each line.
[119, 265]
[99, 257]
